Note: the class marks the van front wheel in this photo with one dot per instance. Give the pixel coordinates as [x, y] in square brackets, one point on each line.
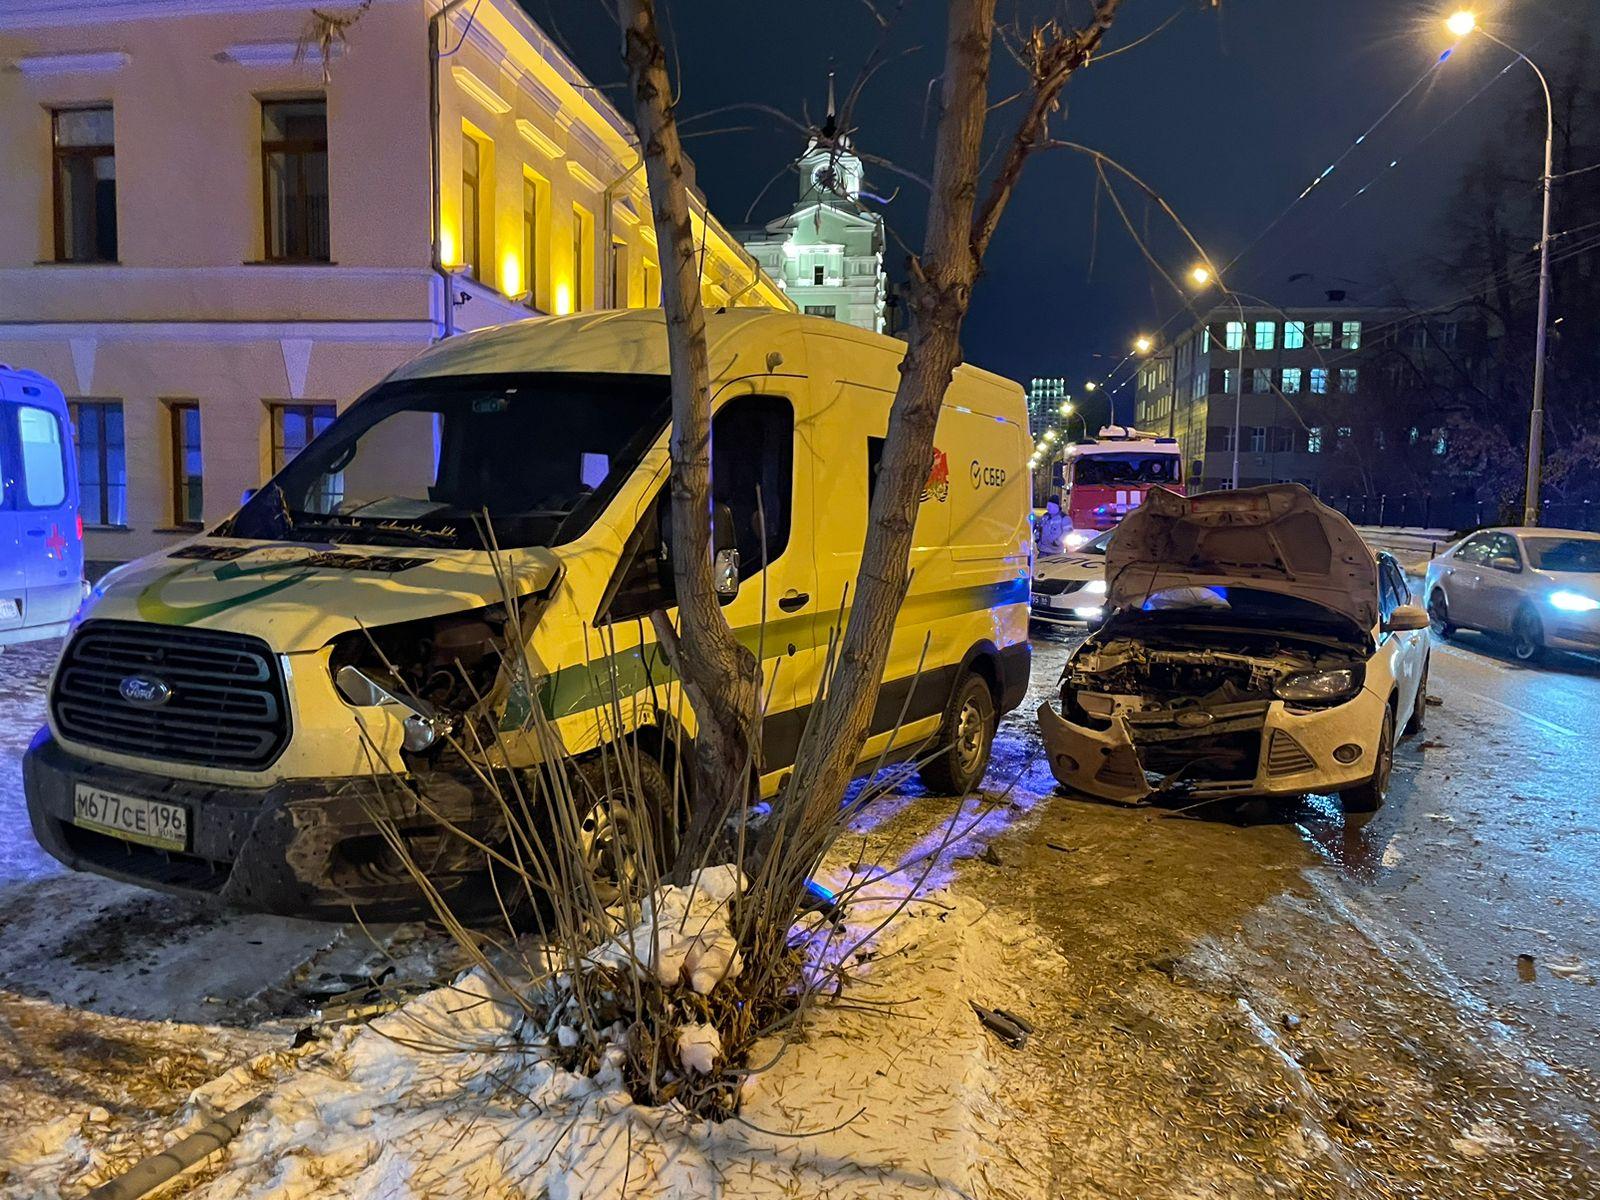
[964, 741]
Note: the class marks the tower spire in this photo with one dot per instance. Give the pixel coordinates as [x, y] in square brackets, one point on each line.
[830, 123]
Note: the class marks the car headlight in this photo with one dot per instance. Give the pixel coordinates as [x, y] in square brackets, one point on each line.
[1573, 601]
[1319, 687]
[1079, 537]
[1095, 587]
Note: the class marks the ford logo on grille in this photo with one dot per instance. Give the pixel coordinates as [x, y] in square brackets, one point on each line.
[145, 690]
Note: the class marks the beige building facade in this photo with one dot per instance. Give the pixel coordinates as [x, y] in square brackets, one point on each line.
[213, 240]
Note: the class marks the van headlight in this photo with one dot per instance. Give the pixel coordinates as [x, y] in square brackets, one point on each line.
[1573, 601]
[1319, 687]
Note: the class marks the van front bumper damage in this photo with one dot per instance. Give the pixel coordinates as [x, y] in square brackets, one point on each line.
[1252, 748]
[307, 847]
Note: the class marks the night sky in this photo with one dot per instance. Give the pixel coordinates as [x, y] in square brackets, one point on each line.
[1229, 113]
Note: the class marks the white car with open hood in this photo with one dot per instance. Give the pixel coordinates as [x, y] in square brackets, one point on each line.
[1256, 647]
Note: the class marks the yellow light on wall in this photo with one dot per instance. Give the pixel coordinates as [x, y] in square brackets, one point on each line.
[563, 299]
[511, 273]
[449, 246]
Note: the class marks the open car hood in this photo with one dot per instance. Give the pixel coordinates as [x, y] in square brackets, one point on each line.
[1277, 538]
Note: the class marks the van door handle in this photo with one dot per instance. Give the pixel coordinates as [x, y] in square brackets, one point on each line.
[792, 601]
[35, 533]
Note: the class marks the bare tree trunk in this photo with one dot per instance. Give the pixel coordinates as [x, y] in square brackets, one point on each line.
[720, 677]
[940, 292]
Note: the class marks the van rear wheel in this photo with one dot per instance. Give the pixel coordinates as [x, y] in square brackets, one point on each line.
[965, 740]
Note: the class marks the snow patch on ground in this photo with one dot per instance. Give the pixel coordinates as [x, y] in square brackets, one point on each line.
[887, 1093]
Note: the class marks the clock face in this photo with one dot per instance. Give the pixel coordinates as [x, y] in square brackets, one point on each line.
[825, 178]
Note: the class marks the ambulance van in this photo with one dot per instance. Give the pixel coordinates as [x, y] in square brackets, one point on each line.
[220, 707]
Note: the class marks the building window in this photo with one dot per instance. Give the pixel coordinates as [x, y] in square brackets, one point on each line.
[1322, 335]
[1233, 335]
[1291, 380]
[1219, 438]
[819, 275]
[294, 173]
[619, 273]
[534, 211]
[1230, 380]
[822, 310]
[293, 427]
[1344, 434]
[1314, 440]
[1261, 380]
[1258, 439]
[1441, 443]
[102, 461]
[187, 464]
[582, 238]
[1205, 340]
[1294, 335]
[1266, 334]
[1447, 334]
[1282, 440]
[85, 184]
[1350, 335]
[472, 205]
[652, 286]
[1319, 381]
[1347, 379]
[1197, 387]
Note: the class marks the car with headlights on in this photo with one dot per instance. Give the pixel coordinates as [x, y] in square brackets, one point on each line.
[1538, 587]
[1072, 586]
[1255, 647]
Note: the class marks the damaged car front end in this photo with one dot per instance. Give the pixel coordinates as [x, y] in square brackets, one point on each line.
[1242, 657]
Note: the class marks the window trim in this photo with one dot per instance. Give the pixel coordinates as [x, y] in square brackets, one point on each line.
[300, 148]
[57, 153]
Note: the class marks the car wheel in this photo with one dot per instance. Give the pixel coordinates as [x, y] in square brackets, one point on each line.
[965, 739]
[1527, 636]
[1419, 708]
[621, 828]
[1439, 614]
[1367, 797]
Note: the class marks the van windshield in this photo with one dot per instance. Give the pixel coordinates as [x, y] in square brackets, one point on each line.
[1135, 468]
[421, 462]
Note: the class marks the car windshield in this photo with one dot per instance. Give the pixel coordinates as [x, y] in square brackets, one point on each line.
[1098, 545]
[420, 463]
[1137, 467]
[1579, 555]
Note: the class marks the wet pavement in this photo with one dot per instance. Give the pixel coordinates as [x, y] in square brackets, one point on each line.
[1258, 1001]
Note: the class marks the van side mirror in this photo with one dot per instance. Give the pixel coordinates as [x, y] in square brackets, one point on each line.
[1506, 563]
[246, 496]
[1405, 618]
[725, 551]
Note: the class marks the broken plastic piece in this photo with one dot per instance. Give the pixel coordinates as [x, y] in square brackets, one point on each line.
[1008, 1027]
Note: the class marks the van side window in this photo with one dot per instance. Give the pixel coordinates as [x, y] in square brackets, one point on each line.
[639, 589]
[752, 472]
[43, 454]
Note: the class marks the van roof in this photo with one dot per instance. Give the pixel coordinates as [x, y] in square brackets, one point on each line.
[39, 387]
[633, 341]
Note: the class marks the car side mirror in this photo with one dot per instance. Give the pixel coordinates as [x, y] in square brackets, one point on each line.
[1506, 563]
[725, 551]
[1406, 618]
[246, 496]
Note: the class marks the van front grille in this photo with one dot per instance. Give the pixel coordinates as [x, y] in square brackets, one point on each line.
[224, 705]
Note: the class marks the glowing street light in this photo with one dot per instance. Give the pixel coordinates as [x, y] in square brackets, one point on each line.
[1142, 344]
[1200, 275]
[1066, 409]
[1090, 386]
[1461, 24]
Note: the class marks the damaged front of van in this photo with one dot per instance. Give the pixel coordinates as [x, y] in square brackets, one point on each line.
[228, 715]
[1247, 654]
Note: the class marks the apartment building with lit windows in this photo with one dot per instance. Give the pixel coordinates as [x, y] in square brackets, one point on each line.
[1315, 388]
[213, 240]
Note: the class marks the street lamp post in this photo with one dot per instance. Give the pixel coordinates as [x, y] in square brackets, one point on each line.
[1461, 24]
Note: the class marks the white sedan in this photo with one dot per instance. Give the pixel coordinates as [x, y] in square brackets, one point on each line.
[1539, 587]
[1072, 586]
[1256, 646]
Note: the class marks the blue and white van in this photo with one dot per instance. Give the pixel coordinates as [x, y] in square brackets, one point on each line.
[41, 531]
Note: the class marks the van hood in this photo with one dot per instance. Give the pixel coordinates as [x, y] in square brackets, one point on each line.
[297, 597]
[1277, 538]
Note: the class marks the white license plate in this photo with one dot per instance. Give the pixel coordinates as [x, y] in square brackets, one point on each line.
[1040, 600]
[9, 610]
[148, 822]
